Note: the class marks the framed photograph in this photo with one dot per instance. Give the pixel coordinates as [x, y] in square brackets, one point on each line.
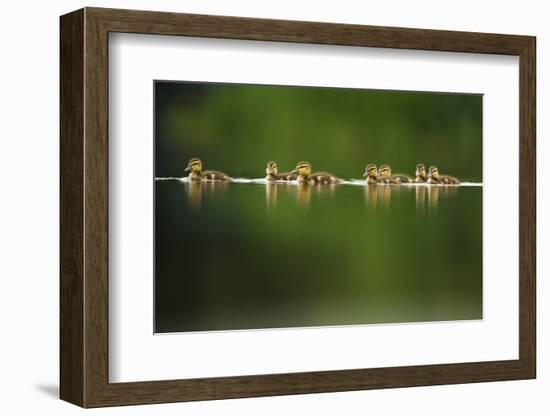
[263, 207]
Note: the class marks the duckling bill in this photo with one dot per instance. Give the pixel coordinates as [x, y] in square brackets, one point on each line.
[194, 167]
[303, 171]
[272, 173]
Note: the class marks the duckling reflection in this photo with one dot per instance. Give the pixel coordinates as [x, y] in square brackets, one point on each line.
[194, 195]
[271, 195]
[199, 190]
[214, 187]
[384, 195]
[303, 194]
[449, 191]
[420, 196]
[378, 196]
[371, 196]
[330, 190]
[433, 198]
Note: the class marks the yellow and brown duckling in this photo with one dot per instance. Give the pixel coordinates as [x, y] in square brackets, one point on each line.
[371, 174]
[421, 175]
[194, 167]
[434, 177]
[386, 176]
[303, 170]
[272, 173]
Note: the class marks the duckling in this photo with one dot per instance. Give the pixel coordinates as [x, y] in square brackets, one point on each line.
[435, 178]
[196, 173]
[303, 171]
[433, 175]
[385, 174]
[420, 173]
[371, 174]
[273, 174]
[383, 178]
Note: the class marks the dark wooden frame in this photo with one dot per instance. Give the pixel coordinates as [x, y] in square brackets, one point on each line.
[84, 207]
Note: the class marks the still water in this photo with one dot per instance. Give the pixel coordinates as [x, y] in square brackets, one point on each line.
[255, 255]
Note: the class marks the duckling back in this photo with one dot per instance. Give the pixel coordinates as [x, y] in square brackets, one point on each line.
[388, 180]
[324, 178]
[287, 176]
[400, 178]
[214, 175]
[449, 180]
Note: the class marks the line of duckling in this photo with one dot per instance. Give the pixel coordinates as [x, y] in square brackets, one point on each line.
[374, 175]
[303, 173]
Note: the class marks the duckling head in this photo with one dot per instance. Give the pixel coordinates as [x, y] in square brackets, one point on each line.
[434, 172]
[194, 165]
[303, 169]
[271, 168]
[371, 171]
[420, 170]
[385, 171]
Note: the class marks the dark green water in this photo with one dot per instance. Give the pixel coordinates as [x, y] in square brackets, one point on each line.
[241, 256]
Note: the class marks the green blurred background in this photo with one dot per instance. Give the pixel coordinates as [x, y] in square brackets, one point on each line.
[240, 256]
[238, 128]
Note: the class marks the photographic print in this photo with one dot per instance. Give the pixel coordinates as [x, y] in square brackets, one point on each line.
[295, 207]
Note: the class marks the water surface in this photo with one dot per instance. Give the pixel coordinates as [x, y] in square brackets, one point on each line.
[254, 255]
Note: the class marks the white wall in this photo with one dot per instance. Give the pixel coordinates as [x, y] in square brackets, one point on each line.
[29, 205]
